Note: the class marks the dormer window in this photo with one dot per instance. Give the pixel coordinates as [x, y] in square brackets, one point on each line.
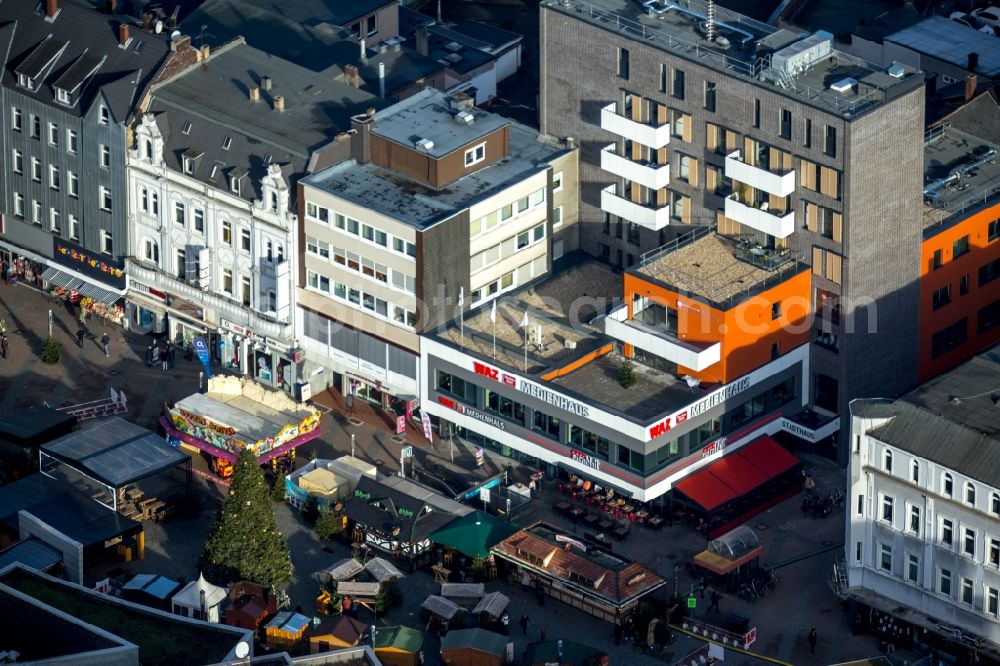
[234, 184]
[104, 115]
[62, 96]
[190, 160]
[25, 81]
[188, 165]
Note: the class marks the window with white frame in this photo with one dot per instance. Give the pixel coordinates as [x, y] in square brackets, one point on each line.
[887, 507]
[993, 552]
[969, 542]
[15, 119]
[245, 240]
[143, 199]
[245, 291]
[72, 145]
[944, 582]
[180, 264]
[557, 181]
[36, 212]
[54, 220]
[19, 204]
[317, 247]
[104, 115]
[317, 282]
[914, 525]
[74, 227]
[995, 504]
[18, 161]
[947, 532]
[53, 134]
[227, 281]
[105, 156]
[105, 199]
[180, 213]
[107, 244]
[199, 220]
[967, 594]
[970, 494]
[557, 217]
[227, 232]
[947, 485]
[885, 557]
[36, 169]
[887, 460]
[475, 154]
[861, 505]
[992, 604]
[912, 568]
[54, 180]
[154, 203]
[915, 471]
[73, 181]
[150, 250]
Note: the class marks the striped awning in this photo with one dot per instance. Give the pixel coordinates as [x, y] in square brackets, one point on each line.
[82, 287]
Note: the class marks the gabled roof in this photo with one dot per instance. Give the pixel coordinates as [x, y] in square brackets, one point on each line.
[951, 41]
[476, 639]
[383, 508]
[979, 117]
[401, 638]
[79, 50]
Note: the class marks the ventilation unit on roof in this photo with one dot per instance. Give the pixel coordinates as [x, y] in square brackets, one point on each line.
[453, 46]
[453, 58]
[426, 145]
[895, 71]
[464, 117]
[843, 85]
[803, 54]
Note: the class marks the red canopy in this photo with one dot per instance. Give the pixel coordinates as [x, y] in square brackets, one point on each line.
[768, 456]
[739, 473]
[706, 489]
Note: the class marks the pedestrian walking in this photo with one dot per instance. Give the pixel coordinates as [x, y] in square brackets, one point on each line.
[164, 358]
[524, 624]
[543, 632]
[105, 341]
[3, 344]
[171, 350]
[716, 598]
[505, 623]
[79, 337]
[151, 355]
[812, 641]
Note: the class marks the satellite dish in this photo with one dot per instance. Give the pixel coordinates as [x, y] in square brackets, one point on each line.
[242, 650]
[175, 35]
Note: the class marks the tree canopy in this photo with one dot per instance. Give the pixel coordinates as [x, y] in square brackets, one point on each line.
[245, 544]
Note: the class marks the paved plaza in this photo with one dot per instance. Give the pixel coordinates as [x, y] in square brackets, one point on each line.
[802, 599]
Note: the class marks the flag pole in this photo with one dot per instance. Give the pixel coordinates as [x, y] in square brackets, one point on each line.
[461, 318]
[493, 317]
[526, 341]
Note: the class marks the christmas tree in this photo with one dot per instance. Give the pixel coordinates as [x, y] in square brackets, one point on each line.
[245, 544]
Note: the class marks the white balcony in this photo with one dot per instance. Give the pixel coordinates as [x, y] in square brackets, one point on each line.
[662, 343]
[645, 216]
[779, 226]
[647, 174]
[780, 184]
[646, 134]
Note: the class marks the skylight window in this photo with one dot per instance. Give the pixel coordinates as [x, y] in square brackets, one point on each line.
[187, 128]
[226, 143]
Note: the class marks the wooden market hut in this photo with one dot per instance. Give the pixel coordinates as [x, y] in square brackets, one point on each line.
[150, 590]
[333, 633]
[398, 646]
[250, 605]
[473, 647]
[286, 630]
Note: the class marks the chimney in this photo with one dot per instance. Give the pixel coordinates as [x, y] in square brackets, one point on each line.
[147, 22]
[973, 63]
[364, 52]
[351, 76]
[461, 101]
[179, 44]
[970, 87]
[51, 8]
[265, 83]
[206, 51]
[279, 103]
[361, 128]
[123, 34]
[255, 94]
[381, 80]
[422, 40]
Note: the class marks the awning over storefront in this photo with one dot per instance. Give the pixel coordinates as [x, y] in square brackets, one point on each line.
[737, 474]
[82, 287]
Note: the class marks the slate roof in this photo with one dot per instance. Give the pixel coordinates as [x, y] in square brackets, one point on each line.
[979, 117]
[960, 407]
[303, 31]
[951, 41]
[80, 39]
[402, 68]
[214, 97]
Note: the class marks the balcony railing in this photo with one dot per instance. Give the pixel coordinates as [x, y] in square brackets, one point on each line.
[777, 224]
[767, 258]
[661, 342]
[653, 136]
[649, 217]
[781, 183]
[647, 174]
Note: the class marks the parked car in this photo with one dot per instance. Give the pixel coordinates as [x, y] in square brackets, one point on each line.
[988, 15]
[971, 21]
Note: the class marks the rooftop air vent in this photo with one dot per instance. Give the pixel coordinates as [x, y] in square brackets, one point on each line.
[464, 117]
[453, 46]
[453, 58]
[425, 145]
[843, 85]
[896, 71]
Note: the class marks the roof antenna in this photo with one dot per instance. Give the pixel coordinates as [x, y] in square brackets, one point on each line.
[710, 23]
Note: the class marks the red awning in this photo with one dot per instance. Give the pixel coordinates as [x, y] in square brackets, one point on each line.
[706, 490]
[768, 456]
[738, 473]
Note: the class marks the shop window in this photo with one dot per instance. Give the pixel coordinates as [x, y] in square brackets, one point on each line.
[456, 387]
[546, 425]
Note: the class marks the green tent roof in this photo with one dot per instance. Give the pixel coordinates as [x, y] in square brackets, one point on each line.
[475, 639]
[401, 638]
[473, 534]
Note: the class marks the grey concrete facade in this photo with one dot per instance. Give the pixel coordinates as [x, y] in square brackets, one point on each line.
[876, 152]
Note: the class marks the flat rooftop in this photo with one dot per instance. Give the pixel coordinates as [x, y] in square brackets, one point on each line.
[401, 198]
[678, 29]
[951, 41]
[961, 172]
[427, 115]
[570, 305]
[252, 420]
[716, 269]
[870, 19]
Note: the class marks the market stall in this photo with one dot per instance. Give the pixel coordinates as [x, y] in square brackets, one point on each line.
[397, 646]
[731, 557]
[237, 413]
[200, 600]
[473, 647]
[334, 633]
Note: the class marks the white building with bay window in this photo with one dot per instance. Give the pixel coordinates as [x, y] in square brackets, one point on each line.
[211, 177]
[923, 509]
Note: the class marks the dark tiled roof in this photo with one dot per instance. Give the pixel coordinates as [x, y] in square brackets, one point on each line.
[214, 99]
[386, 508]
[29, 41]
